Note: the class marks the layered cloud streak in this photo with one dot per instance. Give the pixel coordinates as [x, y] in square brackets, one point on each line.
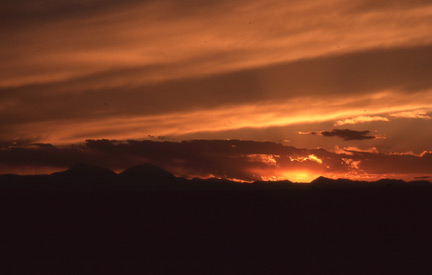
[95, 69]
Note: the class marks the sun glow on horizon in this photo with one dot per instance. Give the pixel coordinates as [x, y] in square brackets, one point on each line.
[294, 176]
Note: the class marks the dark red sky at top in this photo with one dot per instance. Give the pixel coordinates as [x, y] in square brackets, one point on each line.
[336, 88]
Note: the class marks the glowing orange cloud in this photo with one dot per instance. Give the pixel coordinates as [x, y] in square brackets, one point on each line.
[360, 119]
[162, 70]
[310, 157]
[218, 37]
[211, 120]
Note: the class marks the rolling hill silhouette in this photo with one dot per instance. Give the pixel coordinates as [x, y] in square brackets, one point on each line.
[148, 176]
[85, 173]
[92, 220]
[145, 172]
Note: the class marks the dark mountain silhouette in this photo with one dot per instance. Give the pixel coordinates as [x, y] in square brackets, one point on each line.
[146, 172]
[336, 183]
[86, 172]
[393, 181]
[89, 219]
[81, 177]
[327, 181]
[149, 176]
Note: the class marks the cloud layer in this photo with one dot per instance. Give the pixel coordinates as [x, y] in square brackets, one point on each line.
[345, 134]
[76, 70]
[235, 159]
[249, 98]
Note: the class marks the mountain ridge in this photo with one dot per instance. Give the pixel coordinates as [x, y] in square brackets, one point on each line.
[149, 176]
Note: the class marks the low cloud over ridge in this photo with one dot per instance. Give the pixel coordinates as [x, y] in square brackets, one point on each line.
[236, 159]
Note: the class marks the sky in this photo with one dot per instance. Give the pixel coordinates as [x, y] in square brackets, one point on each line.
[305, 88]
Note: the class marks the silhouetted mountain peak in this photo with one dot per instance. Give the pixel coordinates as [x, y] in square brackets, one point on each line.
[148, 172]
[322, 179]
[87, 171]
[391, 181]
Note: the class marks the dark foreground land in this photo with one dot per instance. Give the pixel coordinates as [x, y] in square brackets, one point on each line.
[88, 221]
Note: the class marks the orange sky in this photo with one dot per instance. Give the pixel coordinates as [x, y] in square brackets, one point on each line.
[289, 72]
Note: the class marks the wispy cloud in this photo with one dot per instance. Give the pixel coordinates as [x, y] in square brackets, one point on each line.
[77, 38]
[412, 114]
[74, 70]
[417, 114]
[251, 98]
[360, 119]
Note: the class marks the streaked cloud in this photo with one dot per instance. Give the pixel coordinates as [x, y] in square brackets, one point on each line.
[60, 41]
[353, 149]
[76, 70]
[252, 98]
[360, 119]
[419, 114]
[412, 114]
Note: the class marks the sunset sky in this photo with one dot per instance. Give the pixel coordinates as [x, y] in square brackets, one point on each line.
[246, 90]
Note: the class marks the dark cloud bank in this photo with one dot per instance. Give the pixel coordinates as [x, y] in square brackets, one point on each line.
[220, 158]
[345, 134]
